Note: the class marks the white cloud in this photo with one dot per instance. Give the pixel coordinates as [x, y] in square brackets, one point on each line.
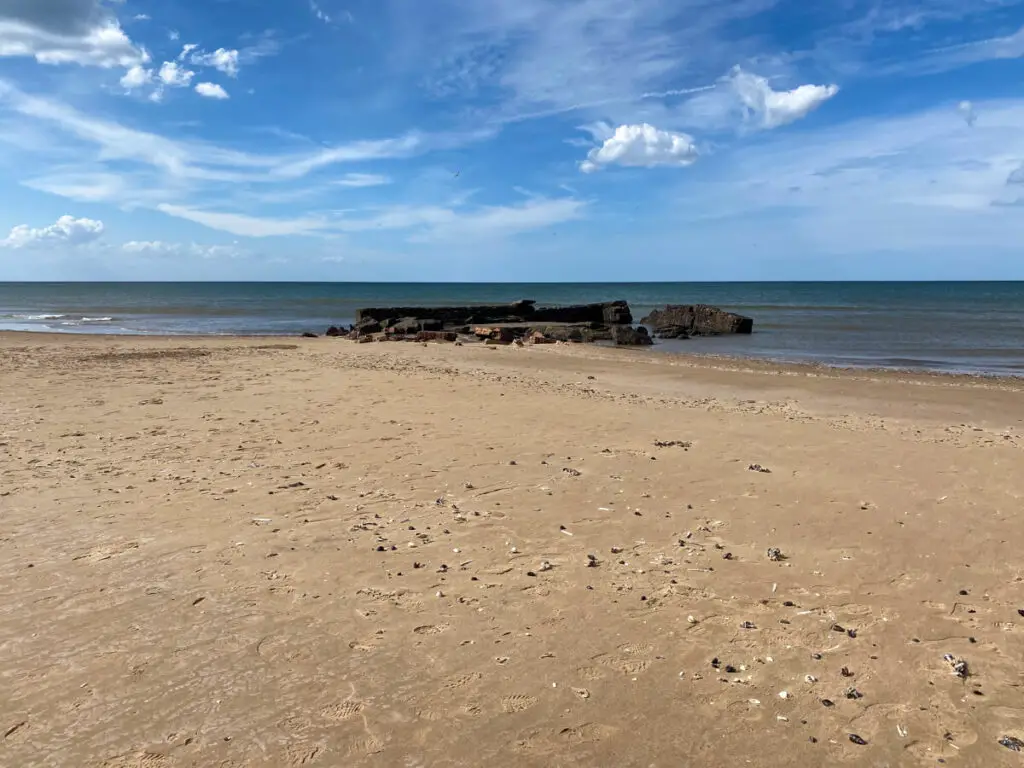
[769, 108]
[136, 77]
[103, 46]
[917, 183]
[222, 59]
[358, 180]
[319, 12]
[955, 56]
[608, 59]
[201, 161]
[241, 224]
[174, 75]
[141, 17]
[642, 146]
[163, 249]
[211, 91]
[67, 230]
[424, 223]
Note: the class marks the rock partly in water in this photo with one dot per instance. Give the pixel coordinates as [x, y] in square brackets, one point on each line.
[628, 336]
[334, 331]
[683, 321]
[605, 313]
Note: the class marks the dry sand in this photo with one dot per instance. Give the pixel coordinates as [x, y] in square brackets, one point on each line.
[267, 553]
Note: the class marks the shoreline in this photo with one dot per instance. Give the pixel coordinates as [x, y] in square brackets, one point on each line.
[705, 360]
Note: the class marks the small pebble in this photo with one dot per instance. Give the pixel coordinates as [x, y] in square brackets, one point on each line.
[857, 739]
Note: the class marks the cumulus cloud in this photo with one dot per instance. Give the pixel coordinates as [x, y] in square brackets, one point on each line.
[174, 75]
[211, 91]
[66, 230]
[222, 59]
[768, 108]
[136, 77]
[80, 32]
[642, 146]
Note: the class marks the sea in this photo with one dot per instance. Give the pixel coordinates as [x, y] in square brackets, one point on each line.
[956, 327]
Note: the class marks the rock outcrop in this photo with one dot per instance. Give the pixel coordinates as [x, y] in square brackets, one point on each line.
[683, 321]
[520, 321]
[525, 311]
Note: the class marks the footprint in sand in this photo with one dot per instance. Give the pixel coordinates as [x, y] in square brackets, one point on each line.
[517, 702]
[305, 754]
[587, 733]
[431, 629]
[590, 673]
[138, 760]
[626, 666]
[636, 649]
[342, 711]
[366, 745]
[462, 681]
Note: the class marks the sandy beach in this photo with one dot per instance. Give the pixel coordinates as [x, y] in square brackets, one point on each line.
[282, 552]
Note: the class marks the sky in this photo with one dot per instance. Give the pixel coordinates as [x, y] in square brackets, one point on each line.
[511, 140]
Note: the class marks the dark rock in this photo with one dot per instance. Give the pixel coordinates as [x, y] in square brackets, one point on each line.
[682, 321]
[581, 333]
[628, 336]
[604, 313]
[334, 331]
[405, 326]
[451, 315]
[607, 313]
[368, 325]
[308, 335]
[448, 336]
[501, 334]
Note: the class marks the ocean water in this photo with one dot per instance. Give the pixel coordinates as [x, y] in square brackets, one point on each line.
[972, 327]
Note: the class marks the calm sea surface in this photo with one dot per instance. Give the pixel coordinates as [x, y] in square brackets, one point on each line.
[962, 327]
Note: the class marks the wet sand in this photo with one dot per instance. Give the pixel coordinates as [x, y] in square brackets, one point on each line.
[253, 552]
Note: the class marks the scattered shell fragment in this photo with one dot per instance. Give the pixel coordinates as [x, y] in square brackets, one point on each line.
[583, 693]
[691, 619]
[748, 625]
[958, 665]
[857, 739]
[853, 693]
[810, 678]
[901, 731]
[592, 561]
[1012, 742]
[775, 554]
[545, 566]
[783, 694]
[759, 468]
[755, 702]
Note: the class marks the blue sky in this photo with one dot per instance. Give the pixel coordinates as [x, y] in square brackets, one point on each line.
[522, 140]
